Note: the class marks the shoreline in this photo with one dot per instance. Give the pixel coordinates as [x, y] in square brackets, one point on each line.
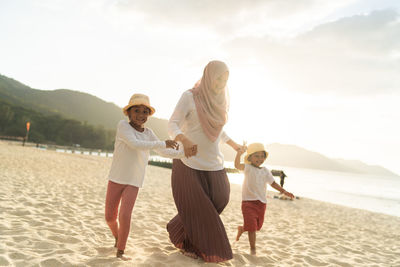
[167, 163]
[53, 209]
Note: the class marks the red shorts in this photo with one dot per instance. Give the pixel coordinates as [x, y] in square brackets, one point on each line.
[253, 215]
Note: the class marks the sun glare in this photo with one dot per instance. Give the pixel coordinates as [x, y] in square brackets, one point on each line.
[261, 109]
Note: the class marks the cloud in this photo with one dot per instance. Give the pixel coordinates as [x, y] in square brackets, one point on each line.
[232, 17]
[377, 32]
[354, 55]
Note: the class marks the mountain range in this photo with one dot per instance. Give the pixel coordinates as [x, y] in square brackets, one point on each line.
[71, 105]
[87, 108]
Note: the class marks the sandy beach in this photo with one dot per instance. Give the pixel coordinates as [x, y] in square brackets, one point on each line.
[52, 214]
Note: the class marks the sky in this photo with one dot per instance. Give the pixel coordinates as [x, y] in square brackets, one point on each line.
[320, 74]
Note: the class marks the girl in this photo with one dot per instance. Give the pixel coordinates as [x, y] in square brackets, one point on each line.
[254, 190]
[131, 152]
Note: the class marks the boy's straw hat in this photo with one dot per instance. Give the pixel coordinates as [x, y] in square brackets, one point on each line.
[137, 100]
[253, 148]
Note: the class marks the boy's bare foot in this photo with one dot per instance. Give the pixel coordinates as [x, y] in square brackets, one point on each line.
[189, 254]
[253, 251]
[239, 233]
[120, 254]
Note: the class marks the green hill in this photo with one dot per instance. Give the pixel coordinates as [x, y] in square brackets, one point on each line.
[89, 114]
[67, 103]
[51, 128]
[70, 104]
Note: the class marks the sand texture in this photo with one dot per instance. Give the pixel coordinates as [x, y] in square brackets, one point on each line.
[52, 214]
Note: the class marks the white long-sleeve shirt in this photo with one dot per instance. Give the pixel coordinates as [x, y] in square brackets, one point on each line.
[185, 120]
[132, 151]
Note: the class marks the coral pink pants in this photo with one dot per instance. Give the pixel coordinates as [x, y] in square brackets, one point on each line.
[126, 194]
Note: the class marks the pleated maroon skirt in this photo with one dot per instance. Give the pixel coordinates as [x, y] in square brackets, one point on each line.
[200, 196]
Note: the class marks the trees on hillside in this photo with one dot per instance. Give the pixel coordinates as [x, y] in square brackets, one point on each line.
[52, 128]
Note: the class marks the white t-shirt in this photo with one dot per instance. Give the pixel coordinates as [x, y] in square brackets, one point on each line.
[255, 183]
[131, 154]
[185, 120]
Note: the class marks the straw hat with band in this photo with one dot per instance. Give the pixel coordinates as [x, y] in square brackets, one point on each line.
[253, 148]
[137, 100]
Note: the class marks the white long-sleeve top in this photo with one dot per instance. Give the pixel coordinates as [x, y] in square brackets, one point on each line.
[132, 151]
[255, 183]
[185, 120]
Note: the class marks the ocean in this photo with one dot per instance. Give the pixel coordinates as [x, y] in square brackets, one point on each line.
[369, 192]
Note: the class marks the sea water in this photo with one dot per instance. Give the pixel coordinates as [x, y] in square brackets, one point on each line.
[369, 192]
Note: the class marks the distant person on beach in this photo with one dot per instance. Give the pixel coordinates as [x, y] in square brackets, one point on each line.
[199, 182]
[254, 190]
[282, 177]
[131, 153]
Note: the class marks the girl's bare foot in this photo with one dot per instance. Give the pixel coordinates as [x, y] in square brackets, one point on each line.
[239, 233]
[120, 254]
[253, 251]
[189, 254]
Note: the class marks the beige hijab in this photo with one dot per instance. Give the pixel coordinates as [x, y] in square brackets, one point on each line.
[212, 108]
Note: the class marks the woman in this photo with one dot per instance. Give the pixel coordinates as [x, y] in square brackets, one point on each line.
[200, 185]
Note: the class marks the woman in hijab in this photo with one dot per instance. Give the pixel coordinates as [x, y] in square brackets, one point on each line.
[199, 182]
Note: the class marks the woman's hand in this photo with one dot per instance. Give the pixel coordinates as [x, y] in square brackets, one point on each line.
[189, 147]
[236, 146]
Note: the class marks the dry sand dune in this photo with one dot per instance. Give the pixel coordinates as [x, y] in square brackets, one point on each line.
[52, 214]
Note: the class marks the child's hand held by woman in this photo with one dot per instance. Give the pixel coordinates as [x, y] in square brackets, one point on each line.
[172, 144]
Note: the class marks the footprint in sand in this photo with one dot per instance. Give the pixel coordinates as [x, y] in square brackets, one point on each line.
[51, 262]
[152, 249]
[281, 240]
[18, 256]
[4, 261]
[170, 248]
[44, 245]
[106, 250]
[343, 264]
[159, 256]
[20, 213]
[35, 223]
[314, 262]
[19, 239]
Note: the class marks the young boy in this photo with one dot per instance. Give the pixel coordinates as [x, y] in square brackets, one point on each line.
[254, 191]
